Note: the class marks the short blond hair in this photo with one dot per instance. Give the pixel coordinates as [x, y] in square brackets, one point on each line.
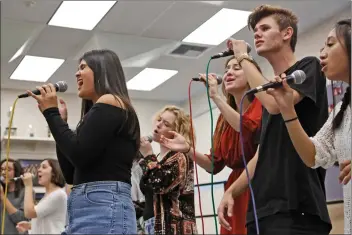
[182, 124]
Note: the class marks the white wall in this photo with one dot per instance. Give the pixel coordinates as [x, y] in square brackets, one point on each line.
[308, 44]
[27, 113]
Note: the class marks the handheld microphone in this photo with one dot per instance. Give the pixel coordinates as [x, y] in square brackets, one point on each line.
[149, 138]
[60, 86]
[2, 178]
[297, 77]
[229, 52]
[218, 79]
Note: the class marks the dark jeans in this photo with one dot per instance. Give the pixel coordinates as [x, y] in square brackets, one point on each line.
[290, 223]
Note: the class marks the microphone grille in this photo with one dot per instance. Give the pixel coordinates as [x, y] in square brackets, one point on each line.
[299, 76]
[249, 48]
[150, 138]
[62, 86]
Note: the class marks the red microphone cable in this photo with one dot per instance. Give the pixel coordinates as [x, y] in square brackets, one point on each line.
[194, 152]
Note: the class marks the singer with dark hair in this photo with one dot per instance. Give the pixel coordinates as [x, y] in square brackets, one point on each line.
[97, 158]
[170, 174]
[289, 196]
[49, 215]
[333, 141]
[14, 201]
[227, 145]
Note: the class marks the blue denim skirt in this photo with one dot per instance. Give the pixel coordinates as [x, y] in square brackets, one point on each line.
[101, 208]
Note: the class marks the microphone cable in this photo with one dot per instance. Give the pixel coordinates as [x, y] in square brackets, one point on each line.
[194, 152]
[7, 166]
[243, 154]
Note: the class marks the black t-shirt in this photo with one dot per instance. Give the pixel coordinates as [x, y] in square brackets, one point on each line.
[100, 150]
[282, 182]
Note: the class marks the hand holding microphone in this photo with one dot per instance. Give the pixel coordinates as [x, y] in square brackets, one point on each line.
[238, 46]
[145, 146]
[213, 80]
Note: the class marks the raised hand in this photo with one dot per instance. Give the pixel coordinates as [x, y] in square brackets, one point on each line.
[238, 47]
[145, 147]
[47, 98]
[63, 110]
[345, 172]
[213, 83]
[177, 143]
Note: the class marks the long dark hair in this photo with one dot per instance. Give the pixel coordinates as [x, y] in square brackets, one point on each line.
[109, 78]
[343, 33]
[18, 172]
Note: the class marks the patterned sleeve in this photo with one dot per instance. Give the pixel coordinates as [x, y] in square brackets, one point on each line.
[324, 144]
[167, 175]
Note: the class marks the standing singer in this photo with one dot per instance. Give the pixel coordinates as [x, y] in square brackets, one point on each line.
[97, 158]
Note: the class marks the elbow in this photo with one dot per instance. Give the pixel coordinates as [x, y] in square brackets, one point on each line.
[30, 214]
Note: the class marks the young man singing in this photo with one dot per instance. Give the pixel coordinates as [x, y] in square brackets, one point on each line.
[290, 197]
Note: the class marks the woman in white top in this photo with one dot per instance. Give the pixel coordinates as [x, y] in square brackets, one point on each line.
[333, 142]
[49, 215]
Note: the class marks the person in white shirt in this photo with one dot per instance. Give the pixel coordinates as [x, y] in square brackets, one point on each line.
[49, 215]
[333, 141]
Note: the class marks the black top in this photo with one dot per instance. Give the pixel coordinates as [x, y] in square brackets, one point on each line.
[99, 150]
[282, 182]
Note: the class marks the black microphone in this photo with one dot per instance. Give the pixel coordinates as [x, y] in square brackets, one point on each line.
[60, 86]
[218, 79]
[229, 52]
[297, 77]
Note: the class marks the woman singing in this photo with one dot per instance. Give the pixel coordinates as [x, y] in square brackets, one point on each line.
[170, 175]
[227, 148]
[333, 142]
[15, 195]
[97, 158]
[49, 215]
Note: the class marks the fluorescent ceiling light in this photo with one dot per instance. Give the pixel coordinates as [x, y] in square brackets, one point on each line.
[80, 14]
[36, 69]
[149, 79]
[219, 27]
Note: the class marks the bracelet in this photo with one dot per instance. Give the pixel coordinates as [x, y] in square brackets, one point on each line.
[290, 120]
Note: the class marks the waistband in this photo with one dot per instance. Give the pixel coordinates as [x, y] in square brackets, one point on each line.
[116, 186]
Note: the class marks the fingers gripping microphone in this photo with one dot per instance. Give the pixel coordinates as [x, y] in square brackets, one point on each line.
[229, 52]
[297, 77]
[2, 178]
[218, 79]
[60, 86]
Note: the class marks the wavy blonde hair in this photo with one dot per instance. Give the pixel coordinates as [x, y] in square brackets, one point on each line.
[182, 124]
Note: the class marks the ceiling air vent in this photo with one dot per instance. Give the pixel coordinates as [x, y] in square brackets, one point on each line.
[189, 51]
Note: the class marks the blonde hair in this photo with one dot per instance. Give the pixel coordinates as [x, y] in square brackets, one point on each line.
[182, 124]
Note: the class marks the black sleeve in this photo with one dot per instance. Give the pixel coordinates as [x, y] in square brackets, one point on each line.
[66, 166]
[312, 68]
[96, 130]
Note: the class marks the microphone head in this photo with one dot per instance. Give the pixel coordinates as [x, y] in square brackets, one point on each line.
[219, 79]
[299, 76]
[150, 138]
[61, 86]
[2, 178]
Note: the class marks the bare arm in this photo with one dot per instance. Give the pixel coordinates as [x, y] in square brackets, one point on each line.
[230, 115]
[202, 160]
[29, 210]
[255, 79]
[241, 183]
